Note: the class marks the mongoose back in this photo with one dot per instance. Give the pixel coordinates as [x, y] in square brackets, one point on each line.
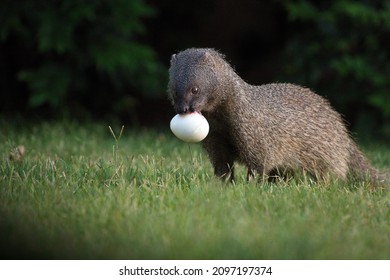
[270, 128]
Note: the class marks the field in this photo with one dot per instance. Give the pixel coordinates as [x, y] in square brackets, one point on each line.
[79, 193]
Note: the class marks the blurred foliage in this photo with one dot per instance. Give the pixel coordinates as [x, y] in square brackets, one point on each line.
[342, 50]
[96, 56]
[77, 53]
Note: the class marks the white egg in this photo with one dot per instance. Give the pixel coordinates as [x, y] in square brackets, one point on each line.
[192, 127]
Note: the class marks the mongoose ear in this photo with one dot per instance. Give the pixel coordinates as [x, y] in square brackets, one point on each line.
[173, 58]
[208, 58]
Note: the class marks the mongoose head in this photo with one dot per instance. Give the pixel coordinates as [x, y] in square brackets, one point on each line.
[193, 81]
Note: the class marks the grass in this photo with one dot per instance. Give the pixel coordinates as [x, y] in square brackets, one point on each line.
[80, 193]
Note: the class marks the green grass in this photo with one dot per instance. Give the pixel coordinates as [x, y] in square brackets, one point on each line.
[77, 193]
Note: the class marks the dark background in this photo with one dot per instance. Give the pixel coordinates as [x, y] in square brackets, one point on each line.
[108, 60]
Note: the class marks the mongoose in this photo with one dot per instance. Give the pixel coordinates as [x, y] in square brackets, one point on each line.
[269, 128]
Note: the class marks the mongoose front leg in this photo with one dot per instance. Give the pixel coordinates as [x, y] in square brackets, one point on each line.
[223, 164]
[224, 170]
[221, 156]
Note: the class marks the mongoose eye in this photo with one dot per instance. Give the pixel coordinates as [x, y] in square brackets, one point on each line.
[194, 90]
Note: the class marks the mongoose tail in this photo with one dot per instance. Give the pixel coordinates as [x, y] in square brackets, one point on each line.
[361, 168]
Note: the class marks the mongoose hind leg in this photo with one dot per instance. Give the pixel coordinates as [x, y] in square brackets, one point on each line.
[280, 174]
[250, 173]
[275, 175]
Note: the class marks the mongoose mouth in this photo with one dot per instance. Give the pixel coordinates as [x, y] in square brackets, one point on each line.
[189, 113]
[183, 109]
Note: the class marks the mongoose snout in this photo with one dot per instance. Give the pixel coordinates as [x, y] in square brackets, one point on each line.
[183, 107]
